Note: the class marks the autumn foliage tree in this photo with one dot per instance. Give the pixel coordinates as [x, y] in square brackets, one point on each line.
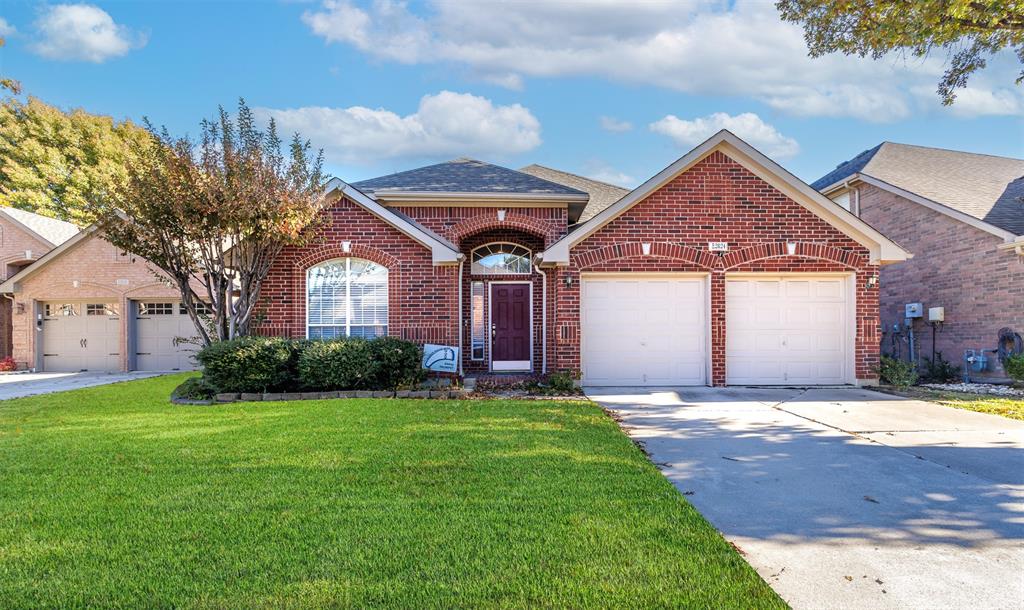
[214, 214]
[969, 31]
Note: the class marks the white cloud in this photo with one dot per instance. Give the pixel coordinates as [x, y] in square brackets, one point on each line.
[606, 173]
[707, 47]
[444, 124]
[747, 126]
[82, 32]
[6, 29]
[615, 125]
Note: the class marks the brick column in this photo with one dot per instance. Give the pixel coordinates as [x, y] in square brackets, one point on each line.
[718, 327]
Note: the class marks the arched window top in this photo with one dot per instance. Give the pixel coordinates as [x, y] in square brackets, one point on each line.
[500, 259]
[346, 297]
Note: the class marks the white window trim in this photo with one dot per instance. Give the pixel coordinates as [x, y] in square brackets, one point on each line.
[528, 256]
[348, 295]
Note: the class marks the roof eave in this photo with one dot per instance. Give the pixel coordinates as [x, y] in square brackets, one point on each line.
[441, 253]
[400, 196]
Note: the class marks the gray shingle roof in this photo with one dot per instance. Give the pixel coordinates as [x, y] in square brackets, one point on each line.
[602, 194]
[52, 230]
[464, 176]
[986, 187]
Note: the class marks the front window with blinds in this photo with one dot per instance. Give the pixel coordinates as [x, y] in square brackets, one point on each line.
[346, 298]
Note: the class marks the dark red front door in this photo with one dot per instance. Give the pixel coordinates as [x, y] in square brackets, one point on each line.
[510, 326]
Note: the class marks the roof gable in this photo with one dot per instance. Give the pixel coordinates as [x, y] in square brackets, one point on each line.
[882, 249]
[50, 230]
[466, 176]
[984, 187]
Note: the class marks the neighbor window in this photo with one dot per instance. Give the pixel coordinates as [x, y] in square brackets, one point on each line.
[500, 259]
[478, 324]
[101, 309]
[346, 298]
[156, 309]
[54, 310]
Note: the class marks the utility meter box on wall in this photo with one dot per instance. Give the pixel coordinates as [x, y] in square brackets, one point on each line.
[936, 314]
[914, 310]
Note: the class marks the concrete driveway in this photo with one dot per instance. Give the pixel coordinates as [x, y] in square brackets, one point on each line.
[17, 385]
[846, 498]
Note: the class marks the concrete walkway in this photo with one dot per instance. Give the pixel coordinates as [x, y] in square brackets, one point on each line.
[17, 385]
[846, 498]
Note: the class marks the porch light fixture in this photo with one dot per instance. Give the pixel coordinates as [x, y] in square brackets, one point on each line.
[646, 249]
[791, 248]
[501, 215]
[568, 281]
[74, 283]
[21, 308]
[346, 246]
[873, 281]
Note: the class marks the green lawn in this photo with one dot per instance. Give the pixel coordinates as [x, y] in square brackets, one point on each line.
[111, 496]
[995, 405]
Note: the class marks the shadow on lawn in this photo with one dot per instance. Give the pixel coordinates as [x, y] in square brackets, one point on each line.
[763, 473]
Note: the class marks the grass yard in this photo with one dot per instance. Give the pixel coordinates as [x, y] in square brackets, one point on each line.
[995, 405]
[113, 497]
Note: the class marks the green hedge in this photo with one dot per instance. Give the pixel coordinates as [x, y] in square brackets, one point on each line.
[1014, 366]
[258, 364]
[251, 364]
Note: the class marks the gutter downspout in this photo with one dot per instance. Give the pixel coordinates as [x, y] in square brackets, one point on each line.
[458, 324]
[543, 318]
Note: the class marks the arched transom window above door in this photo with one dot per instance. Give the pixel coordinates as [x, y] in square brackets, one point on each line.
[500, 259]
[346, 297]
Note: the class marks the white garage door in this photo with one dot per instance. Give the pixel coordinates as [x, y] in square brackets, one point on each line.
[81, 337]
[787, 330]
[644, 331]
[160, 327]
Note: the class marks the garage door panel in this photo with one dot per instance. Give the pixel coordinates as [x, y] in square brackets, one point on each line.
[643, 331]
[164, 336]
[799, 333]
[81, 337]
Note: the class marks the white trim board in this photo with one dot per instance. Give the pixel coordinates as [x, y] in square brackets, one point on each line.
[441, 252]
[882, 249]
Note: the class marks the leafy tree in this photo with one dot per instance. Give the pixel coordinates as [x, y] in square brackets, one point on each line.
[61, 164]
[9, 83]
[215, 214]
[968, 30]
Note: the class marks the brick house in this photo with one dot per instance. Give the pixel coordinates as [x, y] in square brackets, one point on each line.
[24, 237]
[85, 305]
[962, 215]
[721, 269]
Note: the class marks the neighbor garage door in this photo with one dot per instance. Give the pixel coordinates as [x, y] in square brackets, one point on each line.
[787, 330]
[163, 332]
[643, 331]
[81, 337]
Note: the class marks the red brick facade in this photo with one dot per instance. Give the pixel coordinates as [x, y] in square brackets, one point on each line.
[955, 266]
[716, 200]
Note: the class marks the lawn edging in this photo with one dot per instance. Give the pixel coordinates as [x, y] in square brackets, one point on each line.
[228, 397]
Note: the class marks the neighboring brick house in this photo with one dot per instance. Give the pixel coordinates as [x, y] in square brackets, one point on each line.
[85, 305]
[721, 269]
[962, 215]
[24, 237]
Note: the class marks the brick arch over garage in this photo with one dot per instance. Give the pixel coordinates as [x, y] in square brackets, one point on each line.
[335, 251]
[513, 220]
[776, 250]
[634, 250]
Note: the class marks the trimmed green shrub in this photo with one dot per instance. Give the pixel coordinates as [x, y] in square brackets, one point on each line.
[897, 372]
[562, 382]
[194, 388]
[251, 364]
[1014, 366]
[397, 363]
[337, 364]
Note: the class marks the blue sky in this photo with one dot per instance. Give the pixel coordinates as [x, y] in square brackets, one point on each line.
[612, 89]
